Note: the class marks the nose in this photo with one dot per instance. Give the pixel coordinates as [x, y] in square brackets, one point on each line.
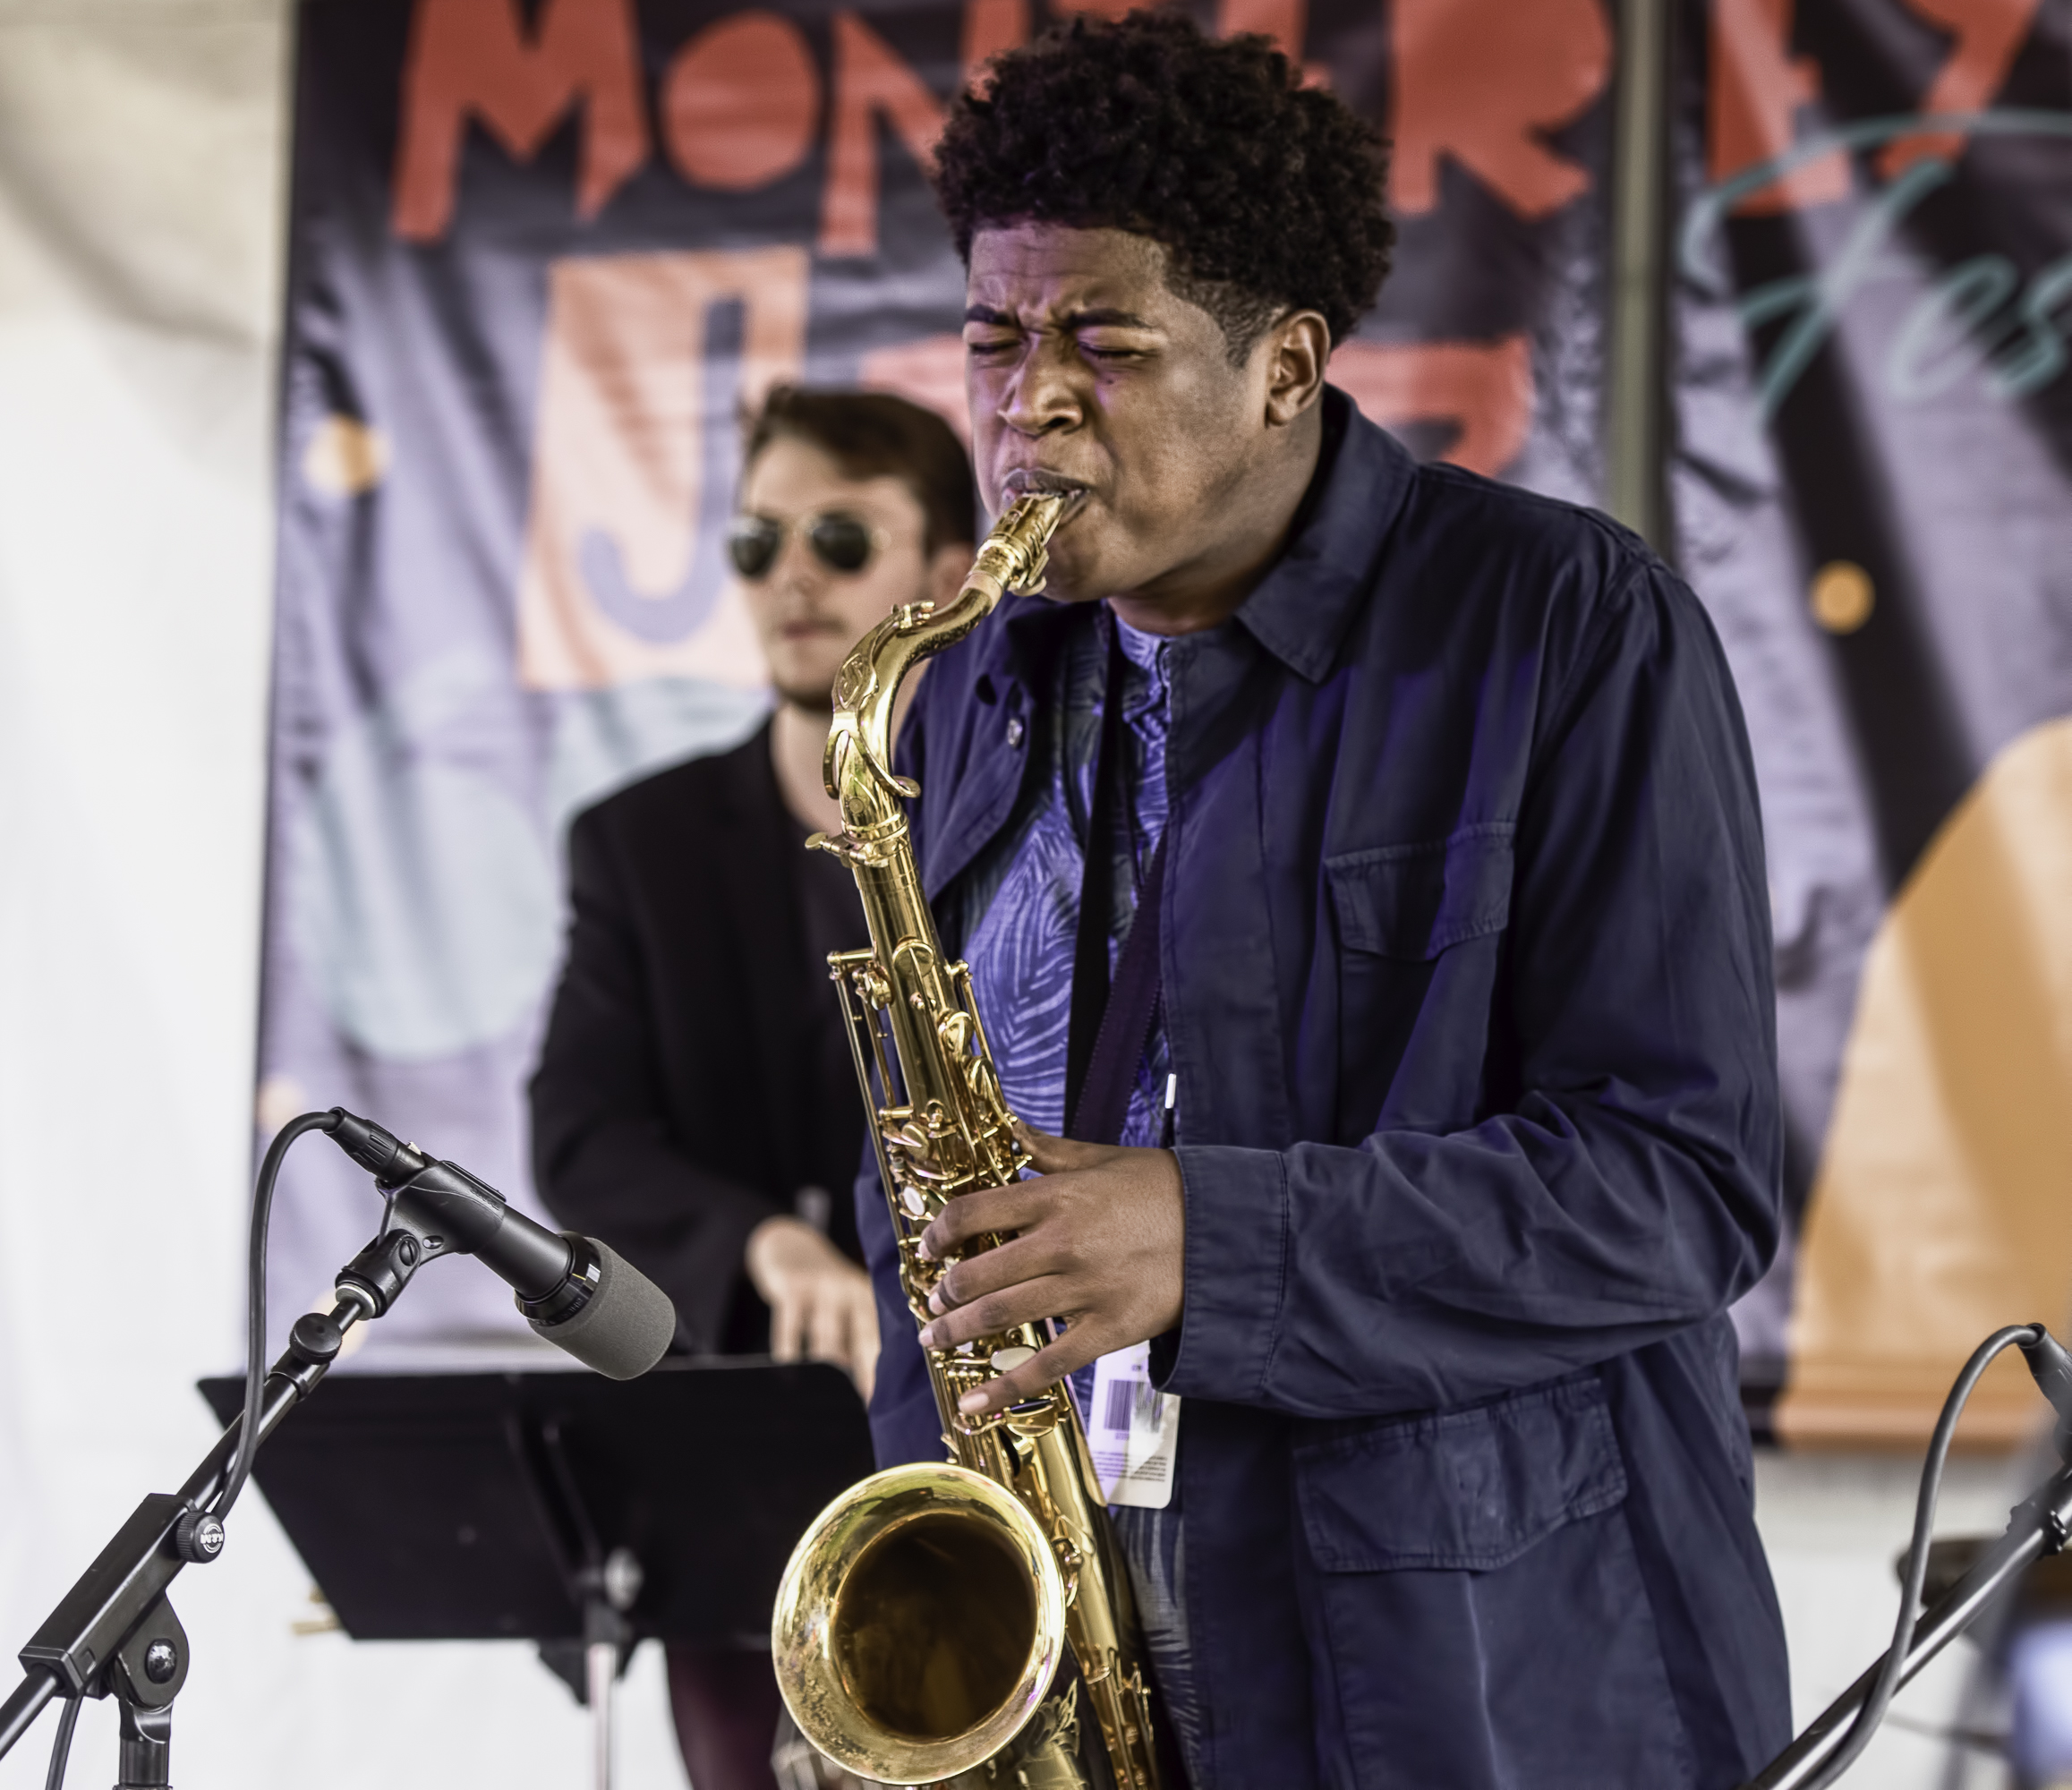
[797, 571]
[1041, 396]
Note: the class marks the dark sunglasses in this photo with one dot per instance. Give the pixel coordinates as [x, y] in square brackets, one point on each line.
[841, 542]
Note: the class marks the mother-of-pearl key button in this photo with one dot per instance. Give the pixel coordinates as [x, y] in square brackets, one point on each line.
[1006, 1360]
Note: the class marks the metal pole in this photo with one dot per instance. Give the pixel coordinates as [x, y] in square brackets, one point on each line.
[23, 1705]
[1636, 361]
[601, 1661]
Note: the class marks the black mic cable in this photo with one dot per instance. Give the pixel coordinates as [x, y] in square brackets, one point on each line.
[61, 1745]
[2048, 1364]
[255, 1302]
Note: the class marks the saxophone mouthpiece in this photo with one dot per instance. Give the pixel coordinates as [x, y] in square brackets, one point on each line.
[1018, 551]
[1029, 481]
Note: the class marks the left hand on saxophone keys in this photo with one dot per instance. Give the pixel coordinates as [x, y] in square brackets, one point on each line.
[1099, 1239]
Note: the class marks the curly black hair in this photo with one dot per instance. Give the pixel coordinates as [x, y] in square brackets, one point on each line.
[1266, 194]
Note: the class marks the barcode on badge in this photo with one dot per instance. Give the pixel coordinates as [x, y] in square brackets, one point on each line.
[1132, 1404]
[1133, 1430]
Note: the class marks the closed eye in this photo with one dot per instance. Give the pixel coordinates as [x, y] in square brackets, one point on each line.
[1108, 345]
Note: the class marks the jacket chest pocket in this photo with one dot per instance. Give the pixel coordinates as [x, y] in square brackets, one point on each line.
[1480, 1602]
[1418, 929]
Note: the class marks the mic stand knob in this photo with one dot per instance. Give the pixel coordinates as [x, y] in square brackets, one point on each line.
[317, 1338]
[198, 1538]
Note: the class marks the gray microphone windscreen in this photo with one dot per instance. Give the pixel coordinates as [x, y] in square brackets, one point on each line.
[624, 1327]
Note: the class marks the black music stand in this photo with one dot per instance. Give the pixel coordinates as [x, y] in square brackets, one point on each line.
[558, 1506]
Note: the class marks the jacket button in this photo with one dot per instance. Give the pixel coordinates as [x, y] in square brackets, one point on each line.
[1015, 731]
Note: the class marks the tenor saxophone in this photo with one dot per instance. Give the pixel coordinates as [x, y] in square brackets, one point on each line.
[920, 1627]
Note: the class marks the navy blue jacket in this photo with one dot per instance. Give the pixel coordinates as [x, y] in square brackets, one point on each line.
[1468, 987]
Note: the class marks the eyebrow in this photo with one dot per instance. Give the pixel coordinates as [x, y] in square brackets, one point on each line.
[1095, 318]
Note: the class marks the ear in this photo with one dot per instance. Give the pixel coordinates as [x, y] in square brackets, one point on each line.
[1295, 351]
[946, 569]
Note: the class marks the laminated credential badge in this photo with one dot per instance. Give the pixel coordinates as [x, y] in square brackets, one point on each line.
[1133, 1430]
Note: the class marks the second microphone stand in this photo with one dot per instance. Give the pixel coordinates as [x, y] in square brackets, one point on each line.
[2040, 1525]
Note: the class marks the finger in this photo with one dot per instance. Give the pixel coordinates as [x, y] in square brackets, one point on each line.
[863, 1342]
[1019, 1258]
[1048, 1366]
[785, 1319]
[973, 1214]
[1051, 1155]
[827, 1326]
[1027, 1302]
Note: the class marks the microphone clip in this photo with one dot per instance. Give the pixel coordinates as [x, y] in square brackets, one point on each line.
[382, 1269]
[440, 1210]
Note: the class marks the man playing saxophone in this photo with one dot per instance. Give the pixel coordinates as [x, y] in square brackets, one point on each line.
[1423, 1146]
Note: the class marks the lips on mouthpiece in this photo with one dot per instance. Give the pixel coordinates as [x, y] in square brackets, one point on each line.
[1023, 480]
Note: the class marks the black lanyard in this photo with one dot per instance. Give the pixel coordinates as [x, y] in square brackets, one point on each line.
[1111, 1021]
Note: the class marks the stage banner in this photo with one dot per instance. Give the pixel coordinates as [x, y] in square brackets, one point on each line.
[1872, 256]
[541, 257]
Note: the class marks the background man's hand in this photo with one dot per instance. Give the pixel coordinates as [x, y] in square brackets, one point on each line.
[1099, 1241]
[820, 1304]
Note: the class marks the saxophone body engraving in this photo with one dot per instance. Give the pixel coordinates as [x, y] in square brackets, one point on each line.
[920, 1626]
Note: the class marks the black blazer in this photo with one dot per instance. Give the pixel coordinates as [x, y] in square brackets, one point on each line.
[685, 1092]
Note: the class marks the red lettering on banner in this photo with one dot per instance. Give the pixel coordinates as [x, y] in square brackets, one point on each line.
[991, 29]
[1096, 9]
[741, 102]
[1284, 21]
[1758, 87]
[1478, 80]
[870, 83]
[1988, 33]
[1486, 387]
[469, 59]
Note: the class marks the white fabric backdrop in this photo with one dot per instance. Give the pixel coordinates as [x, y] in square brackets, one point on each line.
[141, 162]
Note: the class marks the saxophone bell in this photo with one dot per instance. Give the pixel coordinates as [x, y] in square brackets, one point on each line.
[919, 1625]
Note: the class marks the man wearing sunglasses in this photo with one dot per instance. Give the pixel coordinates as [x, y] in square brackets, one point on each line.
[695, 1104]
[1443, 1127]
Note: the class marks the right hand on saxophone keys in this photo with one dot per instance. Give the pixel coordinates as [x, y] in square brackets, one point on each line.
[1099, 1239]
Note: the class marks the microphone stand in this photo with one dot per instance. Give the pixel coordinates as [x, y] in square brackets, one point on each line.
[2040, 1525]
[114, 1633]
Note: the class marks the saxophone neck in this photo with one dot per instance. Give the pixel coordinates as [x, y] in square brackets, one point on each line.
[858, 765]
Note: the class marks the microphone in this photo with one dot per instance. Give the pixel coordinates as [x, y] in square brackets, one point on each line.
[580, 1294]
